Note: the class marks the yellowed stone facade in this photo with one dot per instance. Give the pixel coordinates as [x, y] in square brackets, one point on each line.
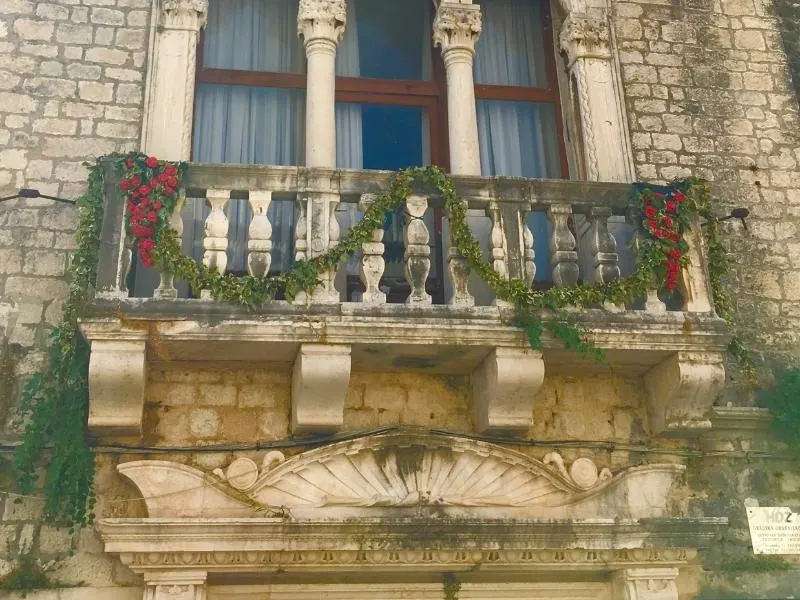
[445, 458]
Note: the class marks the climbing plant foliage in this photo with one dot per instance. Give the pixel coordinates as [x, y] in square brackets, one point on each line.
[55, 401]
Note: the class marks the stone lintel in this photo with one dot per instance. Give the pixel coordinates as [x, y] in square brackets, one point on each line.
[504, 389]
[320, 378]
[681, 390]
[117, 380]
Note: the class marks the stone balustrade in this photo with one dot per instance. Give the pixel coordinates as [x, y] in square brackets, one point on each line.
[677, 347]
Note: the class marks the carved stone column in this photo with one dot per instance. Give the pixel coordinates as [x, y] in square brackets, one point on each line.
[456, 30]
[175, 585]
[585, 39]
[167, 128]
[646, 584]
[321, 24]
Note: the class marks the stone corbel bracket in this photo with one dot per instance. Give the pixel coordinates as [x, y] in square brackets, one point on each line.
[117, 381]
[504, 388]
[681, 390]
[320, 378]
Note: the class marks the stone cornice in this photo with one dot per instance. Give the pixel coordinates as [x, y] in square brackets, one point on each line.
[242, 545]
[457, 26]
[321, 19]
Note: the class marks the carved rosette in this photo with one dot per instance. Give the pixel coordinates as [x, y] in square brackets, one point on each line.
[184, 14]
[321, 19]
[585, 37]
[457, 26]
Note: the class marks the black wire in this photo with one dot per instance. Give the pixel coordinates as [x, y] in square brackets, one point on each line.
[316, 441]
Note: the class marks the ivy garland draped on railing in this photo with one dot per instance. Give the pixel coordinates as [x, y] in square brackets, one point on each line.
[54, 405]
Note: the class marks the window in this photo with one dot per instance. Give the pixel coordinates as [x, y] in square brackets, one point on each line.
[390, 94]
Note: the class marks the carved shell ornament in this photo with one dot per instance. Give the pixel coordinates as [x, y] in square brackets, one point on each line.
[401, 474]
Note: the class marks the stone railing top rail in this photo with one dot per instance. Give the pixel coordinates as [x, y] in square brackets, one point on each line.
[349, 182]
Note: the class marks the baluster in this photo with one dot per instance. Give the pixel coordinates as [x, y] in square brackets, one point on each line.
[528, 253]
[215, 242]
[372, 261]
[301, 239]
[652, 302]
[324, 229]
[418, 253]
[259, 234]
[166, 289]
[603, 245]
[497, 243]
[563, 255]
[459, 269]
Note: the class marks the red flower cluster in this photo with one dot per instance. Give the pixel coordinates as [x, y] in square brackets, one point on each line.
[149, 186]
[661, 222]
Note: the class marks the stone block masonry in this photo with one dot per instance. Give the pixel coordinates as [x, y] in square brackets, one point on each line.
[708, 94]
[71, 89]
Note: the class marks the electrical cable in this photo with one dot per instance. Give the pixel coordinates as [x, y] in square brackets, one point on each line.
[317, 441]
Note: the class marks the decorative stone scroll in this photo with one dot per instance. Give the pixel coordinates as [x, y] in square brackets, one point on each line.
[117, 379]
[681, 390]
[319, 385]
[391, 474]
[175, 585]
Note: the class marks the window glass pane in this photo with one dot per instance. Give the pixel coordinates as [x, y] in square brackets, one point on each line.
[386, 39]
[518, 139]
[380, 136]
[253, 35]
[510, 50]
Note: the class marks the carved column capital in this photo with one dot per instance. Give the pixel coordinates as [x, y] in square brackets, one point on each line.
[321, 20]
[584, 36]
[457, 26]
[647, 584]
[184, 14]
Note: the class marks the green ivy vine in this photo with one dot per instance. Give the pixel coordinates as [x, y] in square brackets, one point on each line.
[54, 405]
[55, 401]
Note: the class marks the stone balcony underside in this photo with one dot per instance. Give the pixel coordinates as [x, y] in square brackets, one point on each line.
[677, 353]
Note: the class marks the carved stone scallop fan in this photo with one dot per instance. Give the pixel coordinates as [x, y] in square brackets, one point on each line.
[403, 470]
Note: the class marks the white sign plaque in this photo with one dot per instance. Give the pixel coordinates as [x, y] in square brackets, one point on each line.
[774, 529]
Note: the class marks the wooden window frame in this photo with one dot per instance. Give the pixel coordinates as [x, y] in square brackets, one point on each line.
[430, 95]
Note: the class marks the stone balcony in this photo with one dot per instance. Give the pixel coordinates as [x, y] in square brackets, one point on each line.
[410, 305]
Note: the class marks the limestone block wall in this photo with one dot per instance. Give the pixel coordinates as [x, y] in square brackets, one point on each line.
[708, 93]
[71, 89]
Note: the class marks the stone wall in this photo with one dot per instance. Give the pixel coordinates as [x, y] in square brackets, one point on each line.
[708, 94]
[71, 89]
[789, 13]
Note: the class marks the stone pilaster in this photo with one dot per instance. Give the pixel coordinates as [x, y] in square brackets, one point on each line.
[585, 40]
[167, 130]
